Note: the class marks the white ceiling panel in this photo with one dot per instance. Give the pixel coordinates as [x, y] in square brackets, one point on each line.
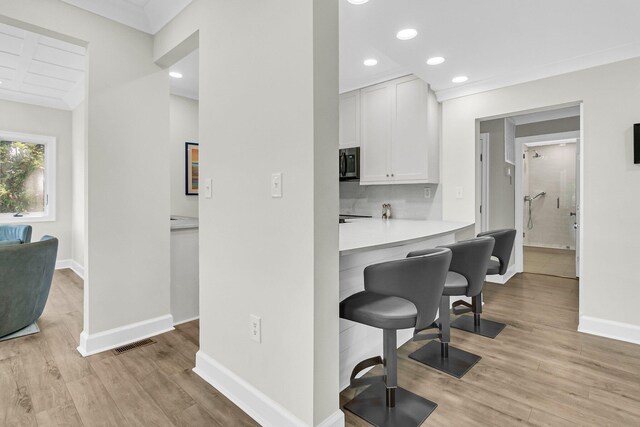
[148, 16]
[40, 70]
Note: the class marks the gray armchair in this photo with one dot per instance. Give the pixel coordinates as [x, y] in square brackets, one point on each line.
[15, 234]
[25, 280]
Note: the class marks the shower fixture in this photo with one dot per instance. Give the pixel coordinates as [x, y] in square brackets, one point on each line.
[537, 155]
[529, 199]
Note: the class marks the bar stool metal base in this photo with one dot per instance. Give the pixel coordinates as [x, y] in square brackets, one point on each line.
[456, 364]
[486, 328]
[371, 405]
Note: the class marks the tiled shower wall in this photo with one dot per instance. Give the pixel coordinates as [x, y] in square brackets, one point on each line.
[407, 200]
[553, 173]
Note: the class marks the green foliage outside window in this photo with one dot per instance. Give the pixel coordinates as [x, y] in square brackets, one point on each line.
[18, 162]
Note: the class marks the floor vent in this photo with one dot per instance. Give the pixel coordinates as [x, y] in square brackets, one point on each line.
[133, 346]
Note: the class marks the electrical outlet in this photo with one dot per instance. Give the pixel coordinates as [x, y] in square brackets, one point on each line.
[458, 192]
[427, 192]
[255, 328]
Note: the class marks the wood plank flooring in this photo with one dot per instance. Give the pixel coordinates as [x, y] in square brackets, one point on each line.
[539, 371]
[44, 381]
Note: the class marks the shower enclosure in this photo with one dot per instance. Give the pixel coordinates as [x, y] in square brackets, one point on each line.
[549, 185]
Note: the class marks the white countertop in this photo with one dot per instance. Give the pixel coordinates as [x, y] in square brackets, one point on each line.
[183, 222]
[366, 234]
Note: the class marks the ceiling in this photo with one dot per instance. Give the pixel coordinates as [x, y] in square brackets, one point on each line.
[495, 43]
[148, 16]
[188, 85]
[39, 70]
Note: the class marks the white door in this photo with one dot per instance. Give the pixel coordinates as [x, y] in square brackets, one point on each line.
[409, 146]
[349, 123]
[376, 133]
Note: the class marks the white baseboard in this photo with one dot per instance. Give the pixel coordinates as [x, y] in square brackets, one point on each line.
[256, 404]
[116, 337]
[609, 329]
[496, 278]
[71, 264]
[180, 322]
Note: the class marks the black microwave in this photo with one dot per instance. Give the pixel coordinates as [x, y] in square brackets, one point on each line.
[349, 159]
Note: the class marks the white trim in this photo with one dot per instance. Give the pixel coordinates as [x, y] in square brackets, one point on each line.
[609, 329]
[72, 265]
[334, 420]
[485, 149]
[619, 53]
[496, 278]
[116, 337]
[180, 322]
[264, 410]
[50, 160]
[549, 138]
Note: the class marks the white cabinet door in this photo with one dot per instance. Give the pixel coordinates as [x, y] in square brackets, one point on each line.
[349, 123]
[376, 133]
[409, 145]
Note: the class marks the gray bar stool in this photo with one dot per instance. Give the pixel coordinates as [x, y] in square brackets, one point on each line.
[465, 278]
[398, 295]
[502, 252]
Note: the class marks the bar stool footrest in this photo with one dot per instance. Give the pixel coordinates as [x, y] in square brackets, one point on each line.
[367, 363]
[457, 364]
[410, 410]
[486, 328]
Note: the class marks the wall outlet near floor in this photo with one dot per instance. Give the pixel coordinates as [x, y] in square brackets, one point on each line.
[427, 193]
[255, 328]
[459, 193]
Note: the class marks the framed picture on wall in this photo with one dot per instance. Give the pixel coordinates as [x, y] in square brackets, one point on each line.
[192, 157]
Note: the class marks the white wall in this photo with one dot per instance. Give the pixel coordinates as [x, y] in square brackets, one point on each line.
[184, 128]
[610, 235]
[127, 204]
[269, 104]
[25, 118]
[78, 184]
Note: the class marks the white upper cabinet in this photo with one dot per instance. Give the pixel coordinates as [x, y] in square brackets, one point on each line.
[400, 134]
[349, 119]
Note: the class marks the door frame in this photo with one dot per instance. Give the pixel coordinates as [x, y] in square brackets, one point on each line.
[485, 146]
[533, 141]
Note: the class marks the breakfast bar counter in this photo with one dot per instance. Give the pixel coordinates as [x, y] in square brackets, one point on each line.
[369, 241]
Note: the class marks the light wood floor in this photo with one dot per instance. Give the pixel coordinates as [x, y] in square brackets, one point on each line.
[45, 382]
[538, 371]
[556, 262]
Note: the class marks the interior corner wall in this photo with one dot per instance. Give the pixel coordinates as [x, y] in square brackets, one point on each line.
[127, 166]
[276, 258]
[32, 119]
[611, 105]
[184, 128]
[78, 181]
[567, 124]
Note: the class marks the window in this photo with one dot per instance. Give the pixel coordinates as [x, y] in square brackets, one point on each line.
[27, 177]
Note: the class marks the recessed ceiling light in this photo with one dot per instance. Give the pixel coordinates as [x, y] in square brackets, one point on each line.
[460, 79]
[357, 1]
[436, 60]
[407, 34]
[175, 74]
[370, 62]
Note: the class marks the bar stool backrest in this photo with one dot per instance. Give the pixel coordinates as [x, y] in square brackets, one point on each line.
[503, 247]
[419, 280]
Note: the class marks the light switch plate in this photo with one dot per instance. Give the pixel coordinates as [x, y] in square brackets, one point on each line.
[276, 185]
[255, 328]
[208, 188]
[459, 193]
[427, 192]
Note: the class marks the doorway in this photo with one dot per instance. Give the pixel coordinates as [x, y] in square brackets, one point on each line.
[530, 162]
[549, 197]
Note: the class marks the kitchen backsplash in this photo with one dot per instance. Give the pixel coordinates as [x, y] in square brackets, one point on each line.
[407, 201]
